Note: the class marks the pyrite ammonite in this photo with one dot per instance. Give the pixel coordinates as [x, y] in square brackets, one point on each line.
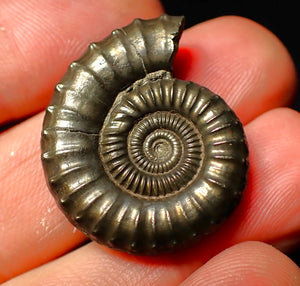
[138, 160]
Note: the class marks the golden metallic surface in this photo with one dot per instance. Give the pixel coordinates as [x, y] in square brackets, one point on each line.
[136, 159]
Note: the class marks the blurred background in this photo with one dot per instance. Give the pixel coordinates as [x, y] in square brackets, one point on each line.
[278, 16]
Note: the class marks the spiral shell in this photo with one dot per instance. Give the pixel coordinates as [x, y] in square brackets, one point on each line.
[136, 159]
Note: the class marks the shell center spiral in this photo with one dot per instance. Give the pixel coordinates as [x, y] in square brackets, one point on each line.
[160, 145]
[159, 156]
[153, 146]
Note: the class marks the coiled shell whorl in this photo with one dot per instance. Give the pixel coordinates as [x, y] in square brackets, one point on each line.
[136, 159]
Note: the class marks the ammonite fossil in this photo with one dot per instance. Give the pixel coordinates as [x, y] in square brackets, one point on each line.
[136, 159]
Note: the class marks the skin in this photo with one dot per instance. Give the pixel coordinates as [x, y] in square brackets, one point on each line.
[234, 57]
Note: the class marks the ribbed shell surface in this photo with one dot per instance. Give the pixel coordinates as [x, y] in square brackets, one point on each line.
[136, 159]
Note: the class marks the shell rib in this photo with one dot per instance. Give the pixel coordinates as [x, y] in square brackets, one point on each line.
[136, 159]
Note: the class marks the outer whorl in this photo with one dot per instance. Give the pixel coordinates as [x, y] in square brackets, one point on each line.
[136, 159]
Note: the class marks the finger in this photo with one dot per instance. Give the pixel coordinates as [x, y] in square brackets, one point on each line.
[241, 61]
[207, 46]
[248, 263]
[268, 211]
[95, 265]
[40, 38]
[30, 222]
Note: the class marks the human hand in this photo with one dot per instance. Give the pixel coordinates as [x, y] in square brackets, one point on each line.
[235, 58]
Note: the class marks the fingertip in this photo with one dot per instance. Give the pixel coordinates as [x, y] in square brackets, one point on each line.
[247, 263]
[40, 38]
[33, 229]
[240, 60]
[271, 205]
